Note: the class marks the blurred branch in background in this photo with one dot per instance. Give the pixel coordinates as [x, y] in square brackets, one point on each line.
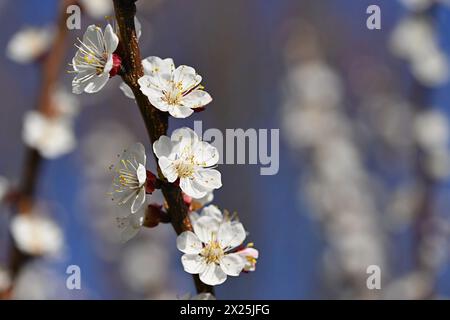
[338, 185]
[415, 40]
[46, 110]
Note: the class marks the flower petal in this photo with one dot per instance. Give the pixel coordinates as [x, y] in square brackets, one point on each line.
[188, 242]
[136, 154]
[196, 99]
[96, 83]
[138, 201]
[232, 264]
[213, 275]
[192, 189]
[111, 39]
[206, 155]
[94, 37]
[209, 179]
[186, 77]
[168, 169]
[186, 136]
[179, 111]
[162, 147]
[126, 90]
[205, 228]
[213, 212]
[156, 66]
[231, 235]
[193, 263]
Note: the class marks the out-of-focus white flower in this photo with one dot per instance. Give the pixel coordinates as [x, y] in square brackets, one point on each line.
[201, 296]
[412, 37]
[308, 80]
[4, 186]
[207, 250]
[431, 69]
[431, 129]
[52, 137]
[131, 224]
[144, 266]
[251, 256]
[29, 44]
[183, 156]
[36, 234]
[417, 5]
[5, 279]
[66, 104]
[131, 176]
[415, 40]
[176, 91]
[94, 61]
[97, 8]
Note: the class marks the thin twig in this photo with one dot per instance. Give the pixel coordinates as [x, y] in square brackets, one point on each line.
[51, 67]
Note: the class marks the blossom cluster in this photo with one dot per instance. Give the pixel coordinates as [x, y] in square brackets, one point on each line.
[214, 248]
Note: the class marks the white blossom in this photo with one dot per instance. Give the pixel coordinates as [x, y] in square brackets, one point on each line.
[52, 137]
[29, 44]
[431, 129]
[183, 156]
[66, 104]
[94, 59]
[176, 91]
[207, 250]
[36, 234]
[97, 8]
[131, 176]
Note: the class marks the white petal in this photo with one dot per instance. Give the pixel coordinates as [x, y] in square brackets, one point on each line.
[137, 27]
[162, 147]
[94, 37]
[130, 225]
[231, 235]
[186, 77]
[194, 216]
[136, 153]
[196, 99]
[138, 201]
[232, 264]
[126, 90]
[213, 275]
[208, 178]
[96, 83]
[193, 263]
[168, 169]
[111, 39]
[186, 136]
[180, 112]
[205, 228]
[206, 155]
[163, 68]
[188, 242]
[189, 187]
[213, 212]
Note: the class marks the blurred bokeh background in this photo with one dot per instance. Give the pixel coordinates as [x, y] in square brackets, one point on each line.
[364, 159]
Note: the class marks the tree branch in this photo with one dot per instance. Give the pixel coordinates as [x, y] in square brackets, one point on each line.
[156, 121]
